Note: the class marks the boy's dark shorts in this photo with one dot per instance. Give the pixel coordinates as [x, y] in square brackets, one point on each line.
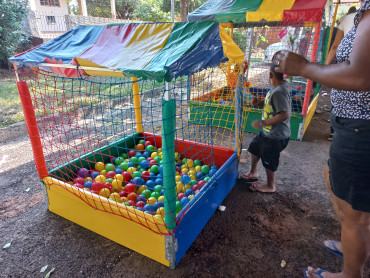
[268, 150]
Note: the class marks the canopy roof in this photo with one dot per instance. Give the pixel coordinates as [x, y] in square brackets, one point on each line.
[238, 11]
[159, 51]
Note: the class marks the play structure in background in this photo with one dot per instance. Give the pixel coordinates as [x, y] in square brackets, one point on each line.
[136, 129]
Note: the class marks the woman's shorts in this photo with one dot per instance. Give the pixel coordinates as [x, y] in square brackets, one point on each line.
[268, 150]
[349, 161]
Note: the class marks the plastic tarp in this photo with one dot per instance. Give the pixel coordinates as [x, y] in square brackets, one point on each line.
[146, 50]
[239, 11]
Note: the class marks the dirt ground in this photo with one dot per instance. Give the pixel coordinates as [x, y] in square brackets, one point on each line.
[250, 238]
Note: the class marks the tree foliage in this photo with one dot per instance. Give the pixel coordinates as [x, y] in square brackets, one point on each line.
[101, 8]
[12, 14]
[151, 10]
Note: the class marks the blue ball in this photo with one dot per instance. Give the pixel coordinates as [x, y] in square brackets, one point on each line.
[199, 175]
[138, 181]
[118, 171]
[94, 174]
[178, 164]
[141, 198]
[88, 184]
[138, 155]
[145, 164]
[154, 207]
[212, 172]
[189, 192]
[153, 176]
[214, 167]
[185, 179]
[159, 182]
[147, 208]
[160, 169]
[162, 192]
[159, 176]
[139, 208]
[131, 164]
[184, 201]
[150, 184]
[146, 154]
[160, 204]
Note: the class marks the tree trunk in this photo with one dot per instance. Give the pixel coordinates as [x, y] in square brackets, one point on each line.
[184, 5]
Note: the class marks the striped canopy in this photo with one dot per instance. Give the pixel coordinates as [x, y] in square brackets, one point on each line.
[238, 11]
[160, 51]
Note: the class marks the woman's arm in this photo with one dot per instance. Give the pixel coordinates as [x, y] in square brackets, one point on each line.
[333, 50]
[350, 75]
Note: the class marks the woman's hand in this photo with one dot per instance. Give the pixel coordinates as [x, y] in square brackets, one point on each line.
[290, 63]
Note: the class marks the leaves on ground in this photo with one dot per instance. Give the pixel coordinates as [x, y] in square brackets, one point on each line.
[7, 245]
[49, 273]
[44, 268]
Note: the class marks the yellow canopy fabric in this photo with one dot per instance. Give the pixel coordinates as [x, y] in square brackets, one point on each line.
[270, 10]
[231, 50]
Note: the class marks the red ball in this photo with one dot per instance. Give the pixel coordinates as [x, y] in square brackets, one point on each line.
[108, 185]
[196, 192]
[153, 162]
[79, 180]
[180, 196]
[140, 204]
[122, 193]
[145, 175]
[131, 202]
[97, 185]
[126, 176]
[147, 143]
[131, 153]
[78, 185]
[95, 192]
[130, 187]
[132, 196]
[195, 187]
[110, 174]
[201, 183]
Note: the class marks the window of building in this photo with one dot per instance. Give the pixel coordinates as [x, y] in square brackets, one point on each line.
[50, 19]
[53, 3]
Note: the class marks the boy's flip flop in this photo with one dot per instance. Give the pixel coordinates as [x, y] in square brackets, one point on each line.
[334, 250]
[248, 178]
[317, 272]
[254, 187]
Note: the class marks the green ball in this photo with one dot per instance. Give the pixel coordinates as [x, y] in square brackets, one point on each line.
[141, 158]
[158, 188]
[155, 194]
[137, 174]
[154, 169]
[127, 204]
[150, 148]
[134, 160]
[110, 180]
[206, 179]
[205, 169]
[183, 162]
[147, 193]
[124, 166]
[119, 160]
[197, 162]
[124, 155]
[141, 142]
[157, 158]
[178, 207]
[192, 182]
[110, 167]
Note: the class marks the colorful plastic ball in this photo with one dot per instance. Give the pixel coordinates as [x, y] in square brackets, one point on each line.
[146, 154]
[131, 170]
[148, 143]
[141, 198]
[197, 162]
[88, 184]
[180, 196]
[130, 187]
[136, 174]
[189, 163]
[109, 180]
[118, 160]
[146, 193]
[118, 171]
[178, 206]
[201, 183]
[155, 195]
[97, 186]
[79, 185]
[189, 192]
[192, 182]
[150, 184]
[147, 208]
[158, 188]
[126, 176]
[94, 174]
[160, 169]
[105, 192]
[162, 193]
[141, 158]
[177, 178]
[199, 175]
[99, 166]
[154, 169]
[101, 178]
[145, 164]
[195, 187]
[161, 199]
[153, 176]
[196, 192]
[184, 201]
[150, 148]
[177, 156]
[153, 155]
[145, 175]
[109, 167]
[205, 169]
[153, 162]
[95, 192]
[123, 193]
[140, 147]
[154, 207]
[132, 196]
[141, 141]
[214, 167]
[79, 180]
[124, 155]
[141, 189]
[116, 197]
[117, 184]
[124, 166]
[88, 179]
[131, 153]
[152, 200]
[135, 160]
[158, 181]
[108, 185]
[160, 204]
[103, 172]
[140, 204]
[160, 211]
[197, 168]
[207, 178]
[110, 175]
[132, 203]
[83, 173]
[157, 158]
[131, 164]
[138, 181]
[185, 179]
[212, 172]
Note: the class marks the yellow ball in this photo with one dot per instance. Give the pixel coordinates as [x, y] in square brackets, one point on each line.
[86, 189]
[103, 172]
[161, 198]
[160, 211]
[184, 170]
[159, 149]
[131, 170]
[115, 196]
[99, 166]
[124, 199]
[105, 192]
[88, 179]
[152, 200]
[187, 186]
[193, 178]
[191, 172]
[119, 177]
[177, 178]
[177, 156]
[141, 189]
[154, 154]
[190, 197]
[177, 173]
[189, 163]
[197, 168]
[100, 178]
[116, 184]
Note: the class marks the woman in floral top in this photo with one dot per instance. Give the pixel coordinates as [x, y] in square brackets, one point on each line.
[348, 171]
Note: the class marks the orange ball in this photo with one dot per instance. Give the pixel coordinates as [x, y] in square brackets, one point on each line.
[140, 147]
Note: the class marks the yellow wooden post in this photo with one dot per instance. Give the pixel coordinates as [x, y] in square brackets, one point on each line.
[331, 28]
[137, 106]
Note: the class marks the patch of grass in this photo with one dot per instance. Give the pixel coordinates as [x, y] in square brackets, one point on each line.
[10, 104]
